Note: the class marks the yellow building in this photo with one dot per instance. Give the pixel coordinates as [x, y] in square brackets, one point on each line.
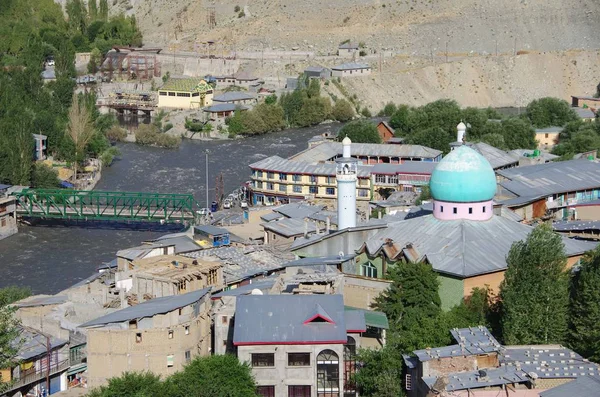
[546, 138]
[191, 93]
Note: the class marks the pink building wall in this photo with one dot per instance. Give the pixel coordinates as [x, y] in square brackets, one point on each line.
[481, 211]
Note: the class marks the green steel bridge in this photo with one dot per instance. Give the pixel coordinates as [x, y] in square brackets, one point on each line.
[107, 206]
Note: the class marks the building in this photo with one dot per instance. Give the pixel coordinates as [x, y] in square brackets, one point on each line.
[549, 189]
[546, 138]
[41, 145]
[498, 159]
[43, 364]
[479, 366]
[465, 243]
[308, 351]
[8, 212]
[235, 98]
[386, 132]
[189, 93]
[242, 79]
[585, 114]
[532, 157]
[410, 176]
[347, 49]
[159, 336]
[317, 72]
[283, 232]
[351, 70]
[583, 101]
[346, 176]
[211, 236]
[217, 114]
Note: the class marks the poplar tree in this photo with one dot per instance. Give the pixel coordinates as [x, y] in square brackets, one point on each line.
[92, 10]
[584, 313]
[534, 292]
[103, 10]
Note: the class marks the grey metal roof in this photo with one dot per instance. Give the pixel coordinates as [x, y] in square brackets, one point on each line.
[182, 243]
[290, 227]
[510, 214]
[267, 319]
[322, 216]
[552, 178]
[456, 246]
[350, 46]
[239, 264]
[351, 66]
[317, 69]
[549, 130]
[496, 157]
[518, 153]
[32, 344]
[210, 229]
[585, 113]
[329, 150]
[271, 216]
[408, 167]
[372, 318]
[519, 201]
[149, 308]
[4, 187]
[232, 96]
[277, 164]
[264, 286]
[298, 210]
[41, 301]
[320, 260]
[575, 226]
[316, 238]
[224, 107]
[473, 340]
[355, 321]
[588, 386]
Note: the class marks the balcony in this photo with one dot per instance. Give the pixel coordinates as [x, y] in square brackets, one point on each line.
[36, 376]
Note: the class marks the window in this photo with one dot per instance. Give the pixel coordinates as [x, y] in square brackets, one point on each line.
[213, 276]
[259, 174]
[187, 329]
[183, 94]
[270, 175]
[313, 190]
[171, 94]
[470, 210]
[188, 356]
[484, 209]
[282, 177]
[263, 359]
[363, 193]
[441, 208]
[133, 324]
[313, 179]
[297, 189]
[330, 180]
[299, 391]
[169, 360]
[328, 374]
[369, 270]
[283, 188]
[265, 391]
[546, 135]
[224, 342]
[224, 320]
[258, 184]
[408, 382]
[270, 186]
[454, 210]
[170, 334]
[330, 191]
[298, 359]
[297, 178]
[349, 367]
[393, 179]
[162, 93]
[138, 337]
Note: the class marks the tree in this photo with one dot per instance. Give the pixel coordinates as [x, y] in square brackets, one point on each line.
[534, 293]
[546, 112]
[400, 119]
[424, 195]
[388, 110]
[495, 140]
[584, 310]
[80, 130]
[380, 373]
[92, 10]
[95, 60]
[342, 110]
[219, 375]
[103, 10]
[271, 99]
[518, 134]
[44, 177]
[434, 137]
[77, 15]
[131, 384]
[360, 131]
[9, 327]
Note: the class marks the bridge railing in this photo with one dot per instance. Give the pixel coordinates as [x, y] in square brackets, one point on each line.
[103, 205]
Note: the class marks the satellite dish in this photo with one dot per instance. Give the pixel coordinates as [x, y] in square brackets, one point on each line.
[256, 291]
[341, 254]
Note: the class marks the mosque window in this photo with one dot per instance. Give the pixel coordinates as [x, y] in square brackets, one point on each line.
[484, 209]
[470, 210]
[441, 208]
[454, 210]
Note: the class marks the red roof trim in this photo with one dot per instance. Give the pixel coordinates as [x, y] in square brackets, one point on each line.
[318, 316]
[325, 342]
[356, 331]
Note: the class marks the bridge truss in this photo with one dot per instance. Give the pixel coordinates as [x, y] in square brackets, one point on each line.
[107, 206]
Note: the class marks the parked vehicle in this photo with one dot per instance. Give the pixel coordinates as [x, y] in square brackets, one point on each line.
[226, 204]
[244, 204]
[202, 211]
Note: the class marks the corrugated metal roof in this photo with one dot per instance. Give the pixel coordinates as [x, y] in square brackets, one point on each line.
[410, 167]
[210, 229]
[372, 318]
[588, 386]
[32, 344]
[277, 164]
[290, 227]
[585, 113]
[355, 321]
[351, 66]
[224, 107]
[232, 96]
[552, 178]
[264, 285]
[549, 130]
[320, 260]
[496, 157]
[298, 210]
[456, 246]
[149, 308]
[518, 153]
[267, 319]
[328, 150]
[271, 216]
[510, 214]
[317, 69]
[473, 340]
[572, 226]
[42, 301]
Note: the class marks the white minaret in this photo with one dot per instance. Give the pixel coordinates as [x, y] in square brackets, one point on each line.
[346, 174]
[461, 129]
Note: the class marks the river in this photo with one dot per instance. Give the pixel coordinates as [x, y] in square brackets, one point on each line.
[50, 258]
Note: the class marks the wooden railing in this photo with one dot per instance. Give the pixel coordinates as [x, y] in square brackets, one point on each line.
[38, 375]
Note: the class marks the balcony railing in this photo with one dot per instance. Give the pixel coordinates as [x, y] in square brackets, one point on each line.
[36, 376]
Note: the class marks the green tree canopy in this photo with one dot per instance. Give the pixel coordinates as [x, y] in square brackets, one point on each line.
[44, 177]
[131, 384]
[548, 111]
[584, 310]
[360, 131]
[534, 292]
[9, 326]
[343, 110]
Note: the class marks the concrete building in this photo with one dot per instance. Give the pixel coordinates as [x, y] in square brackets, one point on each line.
[585, 114]
[308, 351]
[217, 114]
[8, 212]
[532, 157]
[159, 336]
[235, 98]
[241, 79]
[546, 138]
[386, 132]
[41, 357]
[549, 189]
[346, 176]
[478, 365]
[189, 93]
[317, 72]
[351, 70]
[41, 145]
[347, 49]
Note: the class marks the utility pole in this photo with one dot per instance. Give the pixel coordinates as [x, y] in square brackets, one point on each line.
[446, 51]
[207, 206]
[48, 365]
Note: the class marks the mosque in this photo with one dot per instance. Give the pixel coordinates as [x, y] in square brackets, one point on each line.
[462, 239]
